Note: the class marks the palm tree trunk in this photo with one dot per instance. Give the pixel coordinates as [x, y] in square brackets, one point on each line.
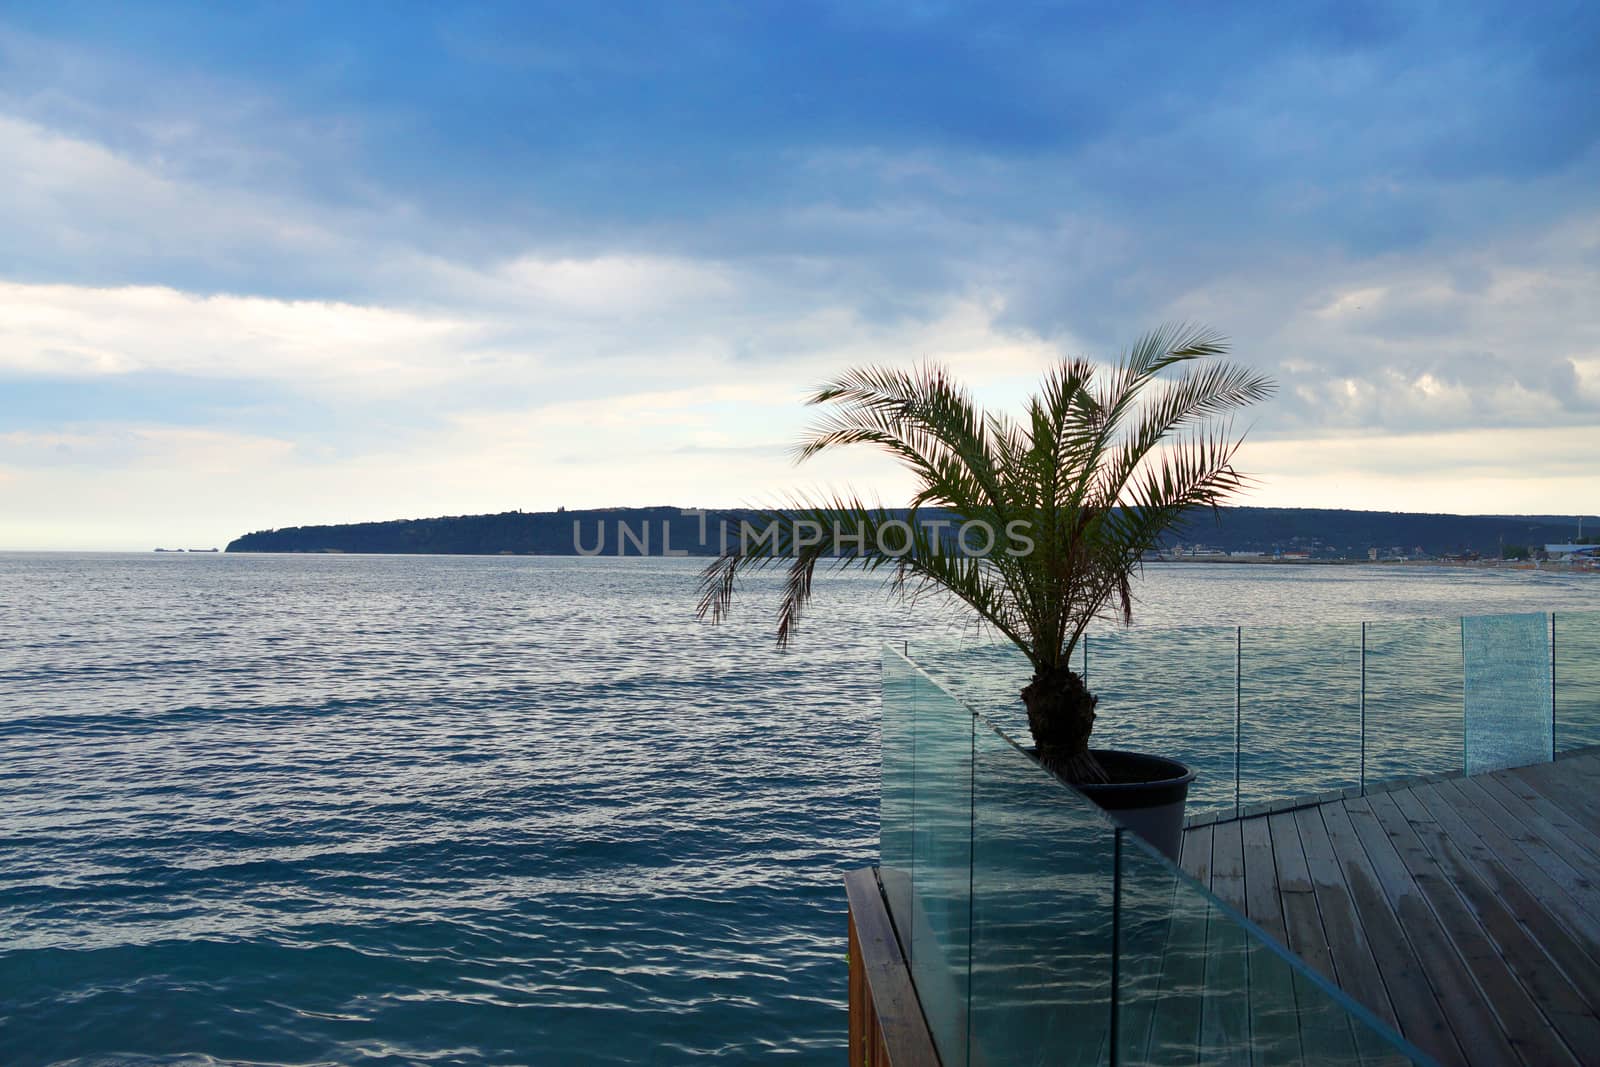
[1061, 717]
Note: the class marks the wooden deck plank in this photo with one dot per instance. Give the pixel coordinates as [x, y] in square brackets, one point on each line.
[1349, 943]
[1527, 888]
[1586, 763]
[1488, 885]
[1274, 1001]
[1225, 1021]
[886, 1024]
[1562, 784]
[1195, 857]
[1516, 977]
[1559, 866]
[1438, 1006]
[1496, 853]
[1262, 902]
[1470, 1011]
[1463, 911]
[1303, 930]
[1288, 854]
[1329, 1034]
[1227, 863]
[1545, 817]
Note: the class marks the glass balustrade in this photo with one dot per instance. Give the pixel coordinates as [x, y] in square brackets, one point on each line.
[1575, 678]
[1037, 931]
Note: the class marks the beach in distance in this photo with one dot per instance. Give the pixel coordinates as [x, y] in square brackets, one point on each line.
[290, 809]
[1547, 566]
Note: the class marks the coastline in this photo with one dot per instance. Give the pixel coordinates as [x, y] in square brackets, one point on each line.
[1472, 564]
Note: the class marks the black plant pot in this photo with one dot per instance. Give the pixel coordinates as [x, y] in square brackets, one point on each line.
[1146, 794]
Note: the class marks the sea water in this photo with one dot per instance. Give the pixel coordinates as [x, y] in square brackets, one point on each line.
[446, 810]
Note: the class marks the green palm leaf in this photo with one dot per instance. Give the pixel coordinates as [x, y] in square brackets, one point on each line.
[1102, 465]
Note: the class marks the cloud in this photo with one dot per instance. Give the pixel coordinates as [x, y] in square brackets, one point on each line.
[421, 416]
[617, 286]
[1495, 472]
[78, 210]
[104, 448]
[66, 331]
[590, 258]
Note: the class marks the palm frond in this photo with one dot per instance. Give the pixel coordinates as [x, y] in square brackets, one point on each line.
[1102, 464]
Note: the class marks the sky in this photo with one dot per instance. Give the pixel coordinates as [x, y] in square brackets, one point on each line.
[275, 265]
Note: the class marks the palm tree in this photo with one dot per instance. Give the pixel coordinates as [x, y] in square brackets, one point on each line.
[1105, 461]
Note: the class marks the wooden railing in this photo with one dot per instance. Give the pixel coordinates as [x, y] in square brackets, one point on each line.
[887, 1028]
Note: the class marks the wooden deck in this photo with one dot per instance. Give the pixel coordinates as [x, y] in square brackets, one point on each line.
[887, 1028]
[1464, 912]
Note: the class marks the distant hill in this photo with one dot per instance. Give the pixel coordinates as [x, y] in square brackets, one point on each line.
[523, 533]
[1323, 533]
[1338, 533]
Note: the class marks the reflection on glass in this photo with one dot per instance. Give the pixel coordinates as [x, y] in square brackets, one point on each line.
[1300, 711]
[898, 730]
[1198, 986]
[1414, 698]
[984, 673]
[1577, 679]
[1034, 936]
[941, 865]
[1041, 904]
[1170, 692]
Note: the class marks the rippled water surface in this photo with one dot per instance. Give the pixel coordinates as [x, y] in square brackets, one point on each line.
[353, 810]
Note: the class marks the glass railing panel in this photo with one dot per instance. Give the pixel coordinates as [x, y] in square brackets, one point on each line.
[898, 777]
[1506, 691]
[1171, 693]
[1577, 679]
[940, 924]
[1041, 911]
[984, 672]
[1173, 970]
[1197, 985]
[1300, 711]
[1413, 698]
